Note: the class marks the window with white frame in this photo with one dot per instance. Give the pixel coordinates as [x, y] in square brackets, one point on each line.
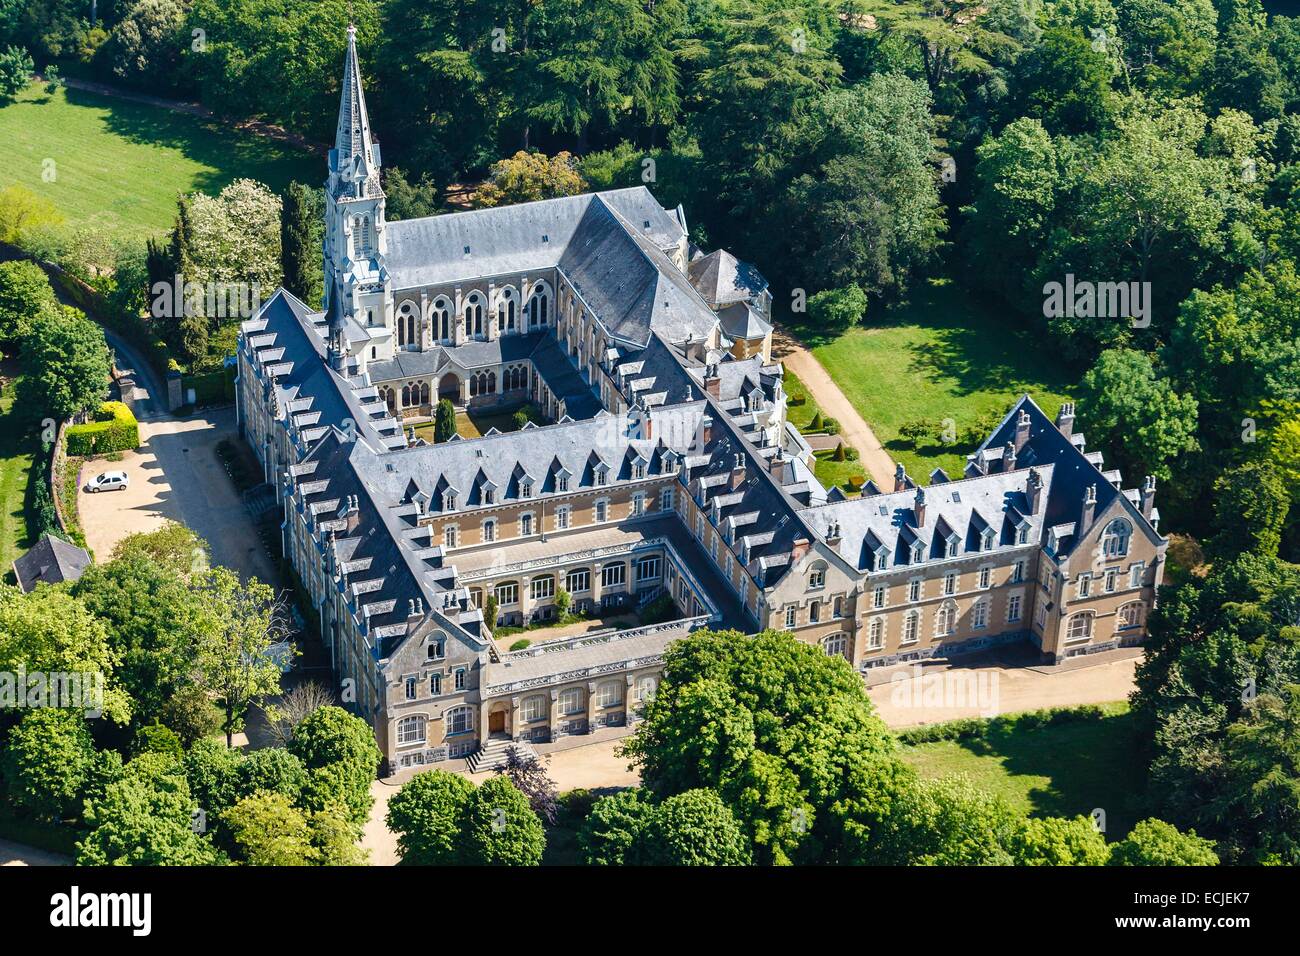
[814, 612]
[911, 627]
[1013, 608]
[526, 489]
[817, 578]
[533, 708]
[449, 501]
[837, 645]
[459, 720]
[490, 530]
[1085, 585]
[609, 693]
[1040, 615]
[1114, 542]
[914, 590]
[950, 583]
[506, 592]
[713, 547]
[1135, 574]
[411, 730]
[435, 685]
[665, 499]
[542, 588]
[875, 634]
[449, 536]
[1112, 579]
[791, 614]
[571, 701]
[489, 496]
[648, 568]
[602, 511]
[525, 524]
[878, 596]
[1017, 572]
[646, 685]
[638, 471]
[613, 575]
[601, 476]
[412, 687]
[1129, 616]
[562, 483]
[986, 577]
[979, 615]
[459, 678]
[562, 517]
[1079, 627]
[945, 622]
[575, 582]
[837, 607]
[638, 504]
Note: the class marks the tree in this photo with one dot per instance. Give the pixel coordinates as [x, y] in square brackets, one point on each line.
[233, 641]
[1251, 504]
[25, 293]
[66, 365]
[501, 828]
[145, 46]
[272, 770]
[341, 758]
[1066, 83]
[46, 762]
[951, 36]
[760, 719]
[528, 177]
[302, 234]
[16, 70]
[1056, 841]
[1153, 842]
[835, 310]
[613, 832]
[428, 816]
[24, 214]
[694, 828]
[173, 546]
[144, 820]
[528, 775]
[269, 831]
[212, 771]
[407, 199]
[50, 631]
[190, 713]
[444, 422]
[295, 707]
[950, 822]
[1135, 413]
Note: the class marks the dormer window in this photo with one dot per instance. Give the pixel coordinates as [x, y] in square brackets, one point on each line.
[816, 578]
[600, 476]
[882, 559]
[489, 496]
[986, 540]
[1022, 534]
[449, 501]
[950, 548]
[1114, 543]
[562, 483]
[638, 471]
[918, 552]
[526, 489]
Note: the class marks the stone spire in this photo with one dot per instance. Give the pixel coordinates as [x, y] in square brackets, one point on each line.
[355, 160]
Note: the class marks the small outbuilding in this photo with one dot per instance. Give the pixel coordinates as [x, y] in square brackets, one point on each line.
[52, 560]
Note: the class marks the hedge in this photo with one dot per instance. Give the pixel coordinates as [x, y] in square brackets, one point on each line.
[212, 388]
[979, 728]
[114, 429]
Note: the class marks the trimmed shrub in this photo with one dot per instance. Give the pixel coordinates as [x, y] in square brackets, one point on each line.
[832, 426]
[114, 429]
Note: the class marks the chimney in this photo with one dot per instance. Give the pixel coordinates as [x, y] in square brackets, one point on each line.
[833, 532]
[706, 430]
[1148, 496]
[918, 507]
[1034, 491]
[900, 477]
[738, 471]
[1022, 430]
[799, 549]
[712, 383]
[1089, 506]
[1009, 457]
[777, 468]
[1065, 419]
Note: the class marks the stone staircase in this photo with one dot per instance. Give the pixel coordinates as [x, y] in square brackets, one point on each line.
[493, 756]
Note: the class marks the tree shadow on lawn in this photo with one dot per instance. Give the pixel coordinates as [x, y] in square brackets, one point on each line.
[230, 154]
[1091, 765]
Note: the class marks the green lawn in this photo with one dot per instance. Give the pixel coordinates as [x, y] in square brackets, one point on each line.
[939, 356]
[119, 166]
[476, 423]
[15, 471]
[1064, 770]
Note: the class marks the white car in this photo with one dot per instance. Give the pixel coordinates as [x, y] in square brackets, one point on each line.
[108, 481]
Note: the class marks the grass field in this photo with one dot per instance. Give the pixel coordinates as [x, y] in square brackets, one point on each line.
[118, 166]
[1064, 770]
[940, 356]
[15, 472]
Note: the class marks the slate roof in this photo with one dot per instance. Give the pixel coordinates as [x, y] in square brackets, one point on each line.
[50, 561]
[722, 279]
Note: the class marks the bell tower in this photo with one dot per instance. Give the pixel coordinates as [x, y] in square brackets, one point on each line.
[357, 285]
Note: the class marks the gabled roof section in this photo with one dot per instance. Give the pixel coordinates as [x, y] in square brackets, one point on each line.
[722, 279]
[50, 561]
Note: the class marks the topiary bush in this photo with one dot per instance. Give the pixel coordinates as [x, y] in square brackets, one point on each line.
[114, 429]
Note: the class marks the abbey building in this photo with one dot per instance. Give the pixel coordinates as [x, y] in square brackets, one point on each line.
[656, 487]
